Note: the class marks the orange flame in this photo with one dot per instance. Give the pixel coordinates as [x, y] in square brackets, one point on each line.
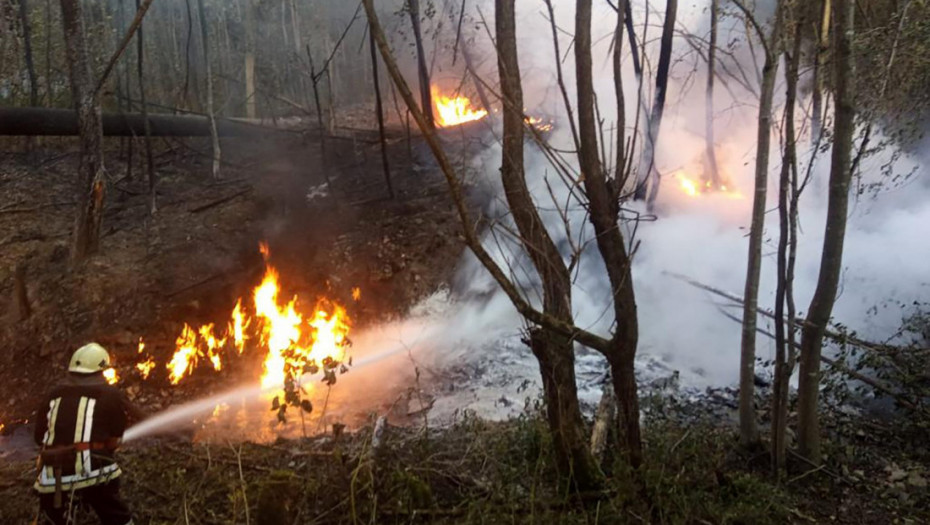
[453, 111]
[290, 343]
[695, 188]
[185, 357]
[144, 367]
[356, 293]
[238, 326]
[538, 123]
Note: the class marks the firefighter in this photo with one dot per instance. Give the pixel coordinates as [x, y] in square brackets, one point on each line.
[78, 427]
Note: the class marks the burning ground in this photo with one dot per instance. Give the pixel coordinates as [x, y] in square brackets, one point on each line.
[166, 280]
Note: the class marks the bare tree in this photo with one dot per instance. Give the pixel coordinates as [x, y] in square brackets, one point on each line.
[604, 208]
[426, 98]
[785, 352]
[91, 176]
[749, 433]
[250, 30]
[823, 45]
[710, 154]
[821, 305]
[648, 176]
[208, 73]
[27, 50]
[380, 112]
[554, 352]
[140, 60]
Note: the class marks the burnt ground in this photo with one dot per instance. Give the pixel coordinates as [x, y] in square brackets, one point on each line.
[199, 252]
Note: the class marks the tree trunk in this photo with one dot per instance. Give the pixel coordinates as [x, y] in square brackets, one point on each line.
[821, 306]
[149, 162]
[319, 111]
[604, 214]
[380, 112]
[620, 167]
[648, 175]
[784, 364]
[250, 59]
[91, 180]
[555, 354]
[208, 73]
[710, 154]
[426, 100]
[749, 433]
[819, 66]
[48, 54]
[27, 48]
[574, 458]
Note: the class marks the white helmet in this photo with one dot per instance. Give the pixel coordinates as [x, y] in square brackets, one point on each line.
[89, 359]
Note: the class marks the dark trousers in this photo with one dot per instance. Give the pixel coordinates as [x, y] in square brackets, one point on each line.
[104, 499]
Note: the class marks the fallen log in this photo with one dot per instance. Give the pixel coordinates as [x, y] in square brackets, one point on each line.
[63, 122]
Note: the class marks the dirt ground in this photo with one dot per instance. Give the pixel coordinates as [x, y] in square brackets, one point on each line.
[190, 260]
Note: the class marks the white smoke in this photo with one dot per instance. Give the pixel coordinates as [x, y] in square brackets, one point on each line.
[887, 241]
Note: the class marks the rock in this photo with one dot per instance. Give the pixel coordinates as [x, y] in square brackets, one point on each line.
[914, 479]
[895, 473]
[133, 392]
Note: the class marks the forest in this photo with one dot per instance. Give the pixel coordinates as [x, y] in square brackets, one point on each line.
[468, 261]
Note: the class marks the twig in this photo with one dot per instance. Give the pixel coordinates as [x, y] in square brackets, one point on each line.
[223, 200]
[137, 21]
[245, 498]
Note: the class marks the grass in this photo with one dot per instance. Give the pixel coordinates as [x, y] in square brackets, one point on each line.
[475, 471]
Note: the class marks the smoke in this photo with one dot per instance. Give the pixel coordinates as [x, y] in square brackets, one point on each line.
[701, 237]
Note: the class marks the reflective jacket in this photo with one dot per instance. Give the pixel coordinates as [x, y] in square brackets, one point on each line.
[78, 426]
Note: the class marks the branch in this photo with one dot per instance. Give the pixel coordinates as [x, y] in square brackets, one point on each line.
[752, 20]
[801, 322]
[881, 387]
[322, 70]
[136, 22]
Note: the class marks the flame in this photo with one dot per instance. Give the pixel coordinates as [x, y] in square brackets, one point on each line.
[694, 188]
[356, 294]
[238, 326]
[689, 186]
[111, 376]
[280, 327]
[291, 343]
[185, 357]
[145, 367]
[453, 111]
[538, 123]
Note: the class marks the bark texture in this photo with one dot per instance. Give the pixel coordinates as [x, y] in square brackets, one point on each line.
[208, 73]
[555, 353]
[426, 99]
[85, 238]
[784, 343]
[648, 177]
[604, 212]
[749, 432]
[831, 262]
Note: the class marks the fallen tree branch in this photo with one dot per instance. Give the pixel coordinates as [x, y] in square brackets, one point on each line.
[880, 387]
[800, 321]
[222, 200]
